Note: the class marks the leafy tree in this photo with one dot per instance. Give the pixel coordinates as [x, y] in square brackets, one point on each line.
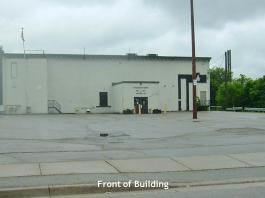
[246, 83]
[230, 94]
[257, 93]
[243, 91]
[217, 78]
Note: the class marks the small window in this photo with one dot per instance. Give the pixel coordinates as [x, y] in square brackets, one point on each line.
[103, 99]
[13, 70]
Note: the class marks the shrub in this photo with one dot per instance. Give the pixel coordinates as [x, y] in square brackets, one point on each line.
[127, 111]
[157, 111]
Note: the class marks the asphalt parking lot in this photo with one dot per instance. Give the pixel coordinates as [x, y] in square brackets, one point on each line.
[56, 138]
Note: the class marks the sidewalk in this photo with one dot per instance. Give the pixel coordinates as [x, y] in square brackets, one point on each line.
[150, 165]
[39, 178]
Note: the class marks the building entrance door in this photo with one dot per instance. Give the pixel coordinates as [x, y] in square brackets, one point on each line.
[143, 101]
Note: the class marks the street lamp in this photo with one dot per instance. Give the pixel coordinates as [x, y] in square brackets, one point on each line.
[194, 75]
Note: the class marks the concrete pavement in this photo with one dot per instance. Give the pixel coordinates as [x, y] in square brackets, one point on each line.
[50, 150]
[59, 138]
[126, 170]
[152, 165]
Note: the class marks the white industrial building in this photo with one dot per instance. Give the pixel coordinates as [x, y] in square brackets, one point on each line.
[50, 83]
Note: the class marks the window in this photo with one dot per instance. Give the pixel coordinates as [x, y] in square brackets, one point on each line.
[103, 99]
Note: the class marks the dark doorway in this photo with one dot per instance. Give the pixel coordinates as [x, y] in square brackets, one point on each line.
[103, 99]
[143, 101]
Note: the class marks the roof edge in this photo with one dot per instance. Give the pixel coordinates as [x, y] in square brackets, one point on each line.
[125, 57]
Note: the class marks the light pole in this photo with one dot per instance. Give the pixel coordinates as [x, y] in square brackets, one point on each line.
[194, 77]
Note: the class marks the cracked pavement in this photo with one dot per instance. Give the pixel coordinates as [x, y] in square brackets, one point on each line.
[56, 138]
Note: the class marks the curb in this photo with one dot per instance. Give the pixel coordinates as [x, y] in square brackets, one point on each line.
[63, 190]
[93, 189]
[24, 192]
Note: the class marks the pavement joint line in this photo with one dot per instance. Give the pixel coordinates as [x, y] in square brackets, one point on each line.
[250, 165]
[77, 168]
[215, 169]
[40, 170]
[190, 169]
[113, 166]
[140, 165]
[241, 164]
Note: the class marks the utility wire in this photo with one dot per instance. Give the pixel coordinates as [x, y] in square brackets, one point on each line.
[219, 60]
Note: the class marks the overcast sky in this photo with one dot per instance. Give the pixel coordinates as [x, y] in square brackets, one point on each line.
[139, 26]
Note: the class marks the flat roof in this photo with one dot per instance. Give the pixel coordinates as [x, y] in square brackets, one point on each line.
[119, 57]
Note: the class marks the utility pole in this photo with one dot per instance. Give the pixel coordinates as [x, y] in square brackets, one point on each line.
[228, 70]
[229, 64]
[26, 70]
[23, 40]
[194, 77]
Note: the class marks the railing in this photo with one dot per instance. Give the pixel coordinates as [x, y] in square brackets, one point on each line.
[234, 109]
[53, 104]
[12, 109]
[246, 109]
[254, 109]
[216, 108]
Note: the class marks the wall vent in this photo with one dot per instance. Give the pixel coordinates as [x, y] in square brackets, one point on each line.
[152, 55]
[131, 54]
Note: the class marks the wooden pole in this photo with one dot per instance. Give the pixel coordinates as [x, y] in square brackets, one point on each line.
[194, 77]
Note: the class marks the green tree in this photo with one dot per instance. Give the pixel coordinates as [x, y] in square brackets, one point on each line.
[242, 91]
[230, 94]
[217, 78]
[257, 93]
[247, 84]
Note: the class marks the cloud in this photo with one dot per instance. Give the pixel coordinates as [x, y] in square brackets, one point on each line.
[141, 26]
[209, 13]
[245, 40]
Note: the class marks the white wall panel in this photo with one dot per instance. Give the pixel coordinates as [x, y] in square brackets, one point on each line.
[76, 82]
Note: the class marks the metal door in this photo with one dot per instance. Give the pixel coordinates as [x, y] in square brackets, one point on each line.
[143, 101]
